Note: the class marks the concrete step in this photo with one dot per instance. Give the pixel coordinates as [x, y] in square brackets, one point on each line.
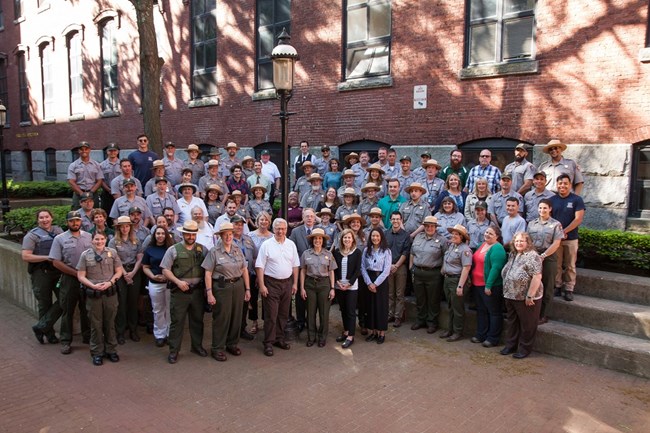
[622, 318]
[617, 287]
[589, 346]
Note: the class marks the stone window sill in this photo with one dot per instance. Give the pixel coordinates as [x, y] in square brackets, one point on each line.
[109, 113]
[49, 121]
[499, 70]
[365, 83]
[19, 20]
[263, 95]
[207, 101]
[27, 123]
[644, 55]
[76, 117]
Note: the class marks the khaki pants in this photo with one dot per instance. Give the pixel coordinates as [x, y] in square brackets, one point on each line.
[396, 287]
[226, 314]
[567, 255]
[101, 314]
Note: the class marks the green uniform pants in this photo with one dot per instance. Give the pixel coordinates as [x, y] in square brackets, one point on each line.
[101, 314]
[127, 312]
[227, 314]
[427, 285]
[183, 305]
[549, 272]
[44, 284]
[318, 300]
[456, 306]
[71, 295]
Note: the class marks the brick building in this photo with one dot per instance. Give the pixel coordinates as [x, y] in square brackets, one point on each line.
[496, 72]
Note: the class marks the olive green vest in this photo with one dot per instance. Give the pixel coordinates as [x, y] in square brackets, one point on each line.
[188, 262]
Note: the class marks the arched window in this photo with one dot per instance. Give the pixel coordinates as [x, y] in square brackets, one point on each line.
[502, 149]
[109, 56]
[357, 146]
[75, 72]
[47, 79]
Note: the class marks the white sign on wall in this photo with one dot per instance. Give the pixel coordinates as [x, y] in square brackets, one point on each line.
[419, 97]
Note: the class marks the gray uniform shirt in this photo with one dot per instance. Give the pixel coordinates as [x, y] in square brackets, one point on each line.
[413, 214]
[428, 251]
[85, 173]
[544, 233]
[174, 170]
[99, 271]
[224, 264]
[127, 251]
[317, 264]
[497, 204]
[476, 231]
[434, 188]
[312, 199]
[302, 186]
[564, 166]
[343, 211]
[254, 208]
[117, 188]
[198, 170]
[520, 173]
[156, 204]
[110, 169]
[68, 248]
[122, 205]
[456, 257]
[532, 199]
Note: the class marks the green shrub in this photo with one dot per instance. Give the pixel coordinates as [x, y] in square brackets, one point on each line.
[24, 219]
[32, 189]
[623, 248]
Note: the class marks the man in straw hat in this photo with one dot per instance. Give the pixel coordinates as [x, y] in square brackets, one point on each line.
[432, 183]
[302, 185]
[374, 221]
[558, 165]
[194, 163]
[348, 177]
[425, 261]
[213, 177]
[181, 265]
[315, 195]
[370, 201]
[231, 160]
[414, 210]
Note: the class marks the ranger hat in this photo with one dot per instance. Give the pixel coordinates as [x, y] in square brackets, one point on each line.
[190, 227]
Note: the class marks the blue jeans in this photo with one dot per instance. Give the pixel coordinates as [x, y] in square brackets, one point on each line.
[489, 311]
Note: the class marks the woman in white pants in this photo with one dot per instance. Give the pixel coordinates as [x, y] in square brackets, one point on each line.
[157, 286]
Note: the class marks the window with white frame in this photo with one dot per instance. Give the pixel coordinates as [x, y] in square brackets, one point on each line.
[204, 48]
[272, 17]
[109, 58]
[367, 38]
[75, 73]
[47, 80]
[500, 31]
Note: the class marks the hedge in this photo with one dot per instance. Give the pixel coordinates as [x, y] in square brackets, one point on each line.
[32, 189]
[615, 246]
[24, 219]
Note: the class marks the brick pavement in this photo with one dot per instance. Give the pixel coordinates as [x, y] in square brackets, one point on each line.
[413, 383]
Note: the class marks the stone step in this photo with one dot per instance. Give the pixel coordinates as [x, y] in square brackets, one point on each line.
[622, 318]
[589, 346]
[617, 287]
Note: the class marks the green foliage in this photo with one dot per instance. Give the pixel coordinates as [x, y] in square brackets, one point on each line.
[33, 189]
[24, 219]
[617, 247]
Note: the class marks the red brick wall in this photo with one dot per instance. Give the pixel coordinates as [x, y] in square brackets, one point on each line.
[591, 88]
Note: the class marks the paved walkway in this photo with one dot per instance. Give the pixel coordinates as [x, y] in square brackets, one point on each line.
[413, 383]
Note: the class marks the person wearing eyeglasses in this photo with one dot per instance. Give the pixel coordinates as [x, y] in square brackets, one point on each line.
[486, 170]
[142, 160]
[98, 270]
[558, 165]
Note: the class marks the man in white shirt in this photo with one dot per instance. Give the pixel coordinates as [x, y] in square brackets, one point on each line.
[277, 276]
[270, 170]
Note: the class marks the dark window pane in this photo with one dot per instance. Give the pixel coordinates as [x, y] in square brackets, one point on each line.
[518, 38]
[514, 6]
[483, 9]
[379, 20]
[282, 10]
[198, 7]
[210, 27]
[205, 84]
[211, 55]
[199, 57]
[483, 44]
[265, 76]
[265, 12]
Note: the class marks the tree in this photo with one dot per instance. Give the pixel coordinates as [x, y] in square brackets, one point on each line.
[150, 66]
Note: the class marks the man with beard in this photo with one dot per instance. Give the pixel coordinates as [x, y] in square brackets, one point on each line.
[64, 254]
[455, 166]
[521, 170]
[232, 159]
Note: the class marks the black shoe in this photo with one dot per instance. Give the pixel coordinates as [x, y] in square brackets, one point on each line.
[121, 339]
[568, 296]
[53, 339]
[172, 358]
[310, 343]
[341, 338]
[507, 350]
[85, 340]
[454, 337]
[113, 357]
[98, 360]
[416, 326]
[200, 351]
[381, 339]
[134, 336]
[282, 345]
[40, 336]
[160, 342]
[519, 355]
[347, 343]
[445, 334]
[371, 337]
[432, 329]
[246, 335]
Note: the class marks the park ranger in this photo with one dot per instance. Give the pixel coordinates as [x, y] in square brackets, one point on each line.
[99, 268]
[36, 248]
[65, 252]
[181, 266]
[427, 252]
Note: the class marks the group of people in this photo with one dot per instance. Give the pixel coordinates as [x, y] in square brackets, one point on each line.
[372, 232]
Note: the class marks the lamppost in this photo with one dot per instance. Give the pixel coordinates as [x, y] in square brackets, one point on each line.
[5, 197]
[284, 58]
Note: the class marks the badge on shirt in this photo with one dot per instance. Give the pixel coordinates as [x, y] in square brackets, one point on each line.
[109, 255]
[569, 205]
[466, 253]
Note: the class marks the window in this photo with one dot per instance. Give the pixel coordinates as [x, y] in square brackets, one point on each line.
[50, 163]
[47, 76]
[75, 71]
[4, 94]
[204, 42]
[367, 38]
[18, 9]
[640, 202]
[109, 66]
[272, 17]
[500, 31]
[23, 91]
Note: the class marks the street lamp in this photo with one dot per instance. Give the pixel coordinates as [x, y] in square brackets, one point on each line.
[284, 58]
[5, 197]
